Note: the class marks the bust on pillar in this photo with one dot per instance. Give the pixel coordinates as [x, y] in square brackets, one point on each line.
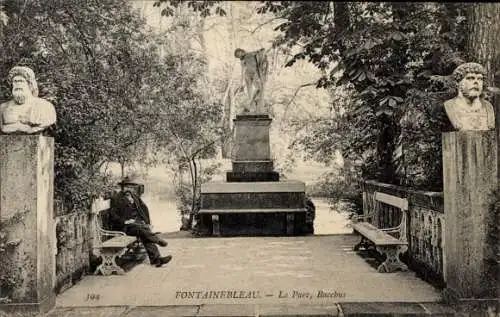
[469, 111]
[26, 198]
[25, 113]
[469, 179]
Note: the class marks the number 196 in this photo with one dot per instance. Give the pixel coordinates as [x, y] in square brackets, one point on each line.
[93, 297]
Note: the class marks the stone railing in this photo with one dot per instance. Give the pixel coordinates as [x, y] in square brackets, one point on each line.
[425, 223]
[75, 233]
[72, 247]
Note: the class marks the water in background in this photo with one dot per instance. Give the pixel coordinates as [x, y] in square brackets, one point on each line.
[166, 218]
[160, 199]
[163, 213]
[330, 220]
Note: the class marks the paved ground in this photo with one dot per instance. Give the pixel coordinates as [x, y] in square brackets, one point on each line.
[255, 276]
[262, 310]
[268, 270]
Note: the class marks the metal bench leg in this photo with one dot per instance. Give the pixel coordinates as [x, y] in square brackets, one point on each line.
[392, 261]
[108, 265]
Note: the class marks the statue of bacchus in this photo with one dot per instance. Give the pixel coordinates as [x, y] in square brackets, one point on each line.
[254, 69]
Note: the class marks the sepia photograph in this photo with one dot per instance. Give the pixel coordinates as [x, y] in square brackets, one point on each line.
[249, 158]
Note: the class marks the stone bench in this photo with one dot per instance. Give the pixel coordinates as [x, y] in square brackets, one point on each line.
[385, 243]
[110, 244]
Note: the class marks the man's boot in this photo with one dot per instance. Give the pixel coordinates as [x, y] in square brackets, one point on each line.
[162, 260]
[162, 243]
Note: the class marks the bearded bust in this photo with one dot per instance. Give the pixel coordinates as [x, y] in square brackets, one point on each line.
[25, 113]
[469, 111]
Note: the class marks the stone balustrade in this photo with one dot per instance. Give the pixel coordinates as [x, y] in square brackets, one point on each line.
[72, 247]
[75, 233]
[425, 223]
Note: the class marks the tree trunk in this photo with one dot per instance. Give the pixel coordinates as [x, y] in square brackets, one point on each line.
[340, 17]
[228, 97]
[227, 102]
[483, 46]
[122, 169]
[195, 196]
[483, 43]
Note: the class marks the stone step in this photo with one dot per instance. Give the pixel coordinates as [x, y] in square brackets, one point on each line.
[288, 186]
[252, 177]
[251, 210]
[263, 310]
[245, 195]
[253, 200]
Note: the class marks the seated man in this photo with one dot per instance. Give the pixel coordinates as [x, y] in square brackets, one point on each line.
[129, 214]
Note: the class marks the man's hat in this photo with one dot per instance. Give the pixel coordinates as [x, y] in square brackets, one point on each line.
[126, 181]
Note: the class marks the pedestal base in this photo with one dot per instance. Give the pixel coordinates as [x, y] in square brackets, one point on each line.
[253, 166]
[253, 208]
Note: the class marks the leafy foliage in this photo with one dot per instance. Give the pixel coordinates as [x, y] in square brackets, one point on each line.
[204, 8]
[384, 55]
[119, 95]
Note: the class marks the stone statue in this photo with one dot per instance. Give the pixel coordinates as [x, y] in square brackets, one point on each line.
[25, 113]
[254, 68]
[469, 111]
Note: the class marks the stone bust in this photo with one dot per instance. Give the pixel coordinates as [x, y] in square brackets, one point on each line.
[25, 113]
[469, 111]
[254, 69]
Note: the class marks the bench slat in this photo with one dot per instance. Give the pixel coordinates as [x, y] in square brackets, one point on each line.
[119, 242]
[401, 203]
[375, 235]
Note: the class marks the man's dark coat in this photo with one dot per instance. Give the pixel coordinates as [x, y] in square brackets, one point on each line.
[122, 210]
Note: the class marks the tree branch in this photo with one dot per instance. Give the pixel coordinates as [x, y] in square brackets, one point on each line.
[295, 95]
[264, 23]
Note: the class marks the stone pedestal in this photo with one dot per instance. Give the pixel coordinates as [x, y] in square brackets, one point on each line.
[470, 177]
[253, 208]
[251, 156]
[252, 201]
[26, 213]
[251, 138]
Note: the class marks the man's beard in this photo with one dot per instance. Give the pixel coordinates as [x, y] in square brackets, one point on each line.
[471, 94]
[20, 96]
[474, 98]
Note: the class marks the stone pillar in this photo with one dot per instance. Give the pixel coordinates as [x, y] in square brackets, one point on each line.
[251, 153]
[470, 178]
[26, 212]
[251, 137]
